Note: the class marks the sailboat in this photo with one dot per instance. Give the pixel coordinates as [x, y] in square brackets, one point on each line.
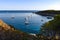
[26, 20]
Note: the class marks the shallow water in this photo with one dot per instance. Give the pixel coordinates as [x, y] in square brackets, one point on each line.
[18, 21]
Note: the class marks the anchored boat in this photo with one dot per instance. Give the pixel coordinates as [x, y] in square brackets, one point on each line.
[26, 20]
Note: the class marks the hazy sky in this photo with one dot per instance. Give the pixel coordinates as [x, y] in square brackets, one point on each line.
[29, 4]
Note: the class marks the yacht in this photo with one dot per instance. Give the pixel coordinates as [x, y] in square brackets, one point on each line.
[26, 20]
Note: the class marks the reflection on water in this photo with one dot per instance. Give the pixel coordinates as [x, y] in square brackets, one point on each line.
[18, 21]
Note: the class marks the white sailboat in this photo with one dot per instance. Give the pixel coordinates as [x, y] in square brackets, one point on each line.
[27, 20]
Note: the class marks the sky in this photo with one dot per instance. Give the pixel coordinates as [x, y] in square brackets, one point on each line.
[29, 4]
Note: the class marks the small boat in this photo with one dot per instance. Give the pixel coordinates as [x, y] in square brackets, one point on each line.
[49, 17]
[12, 17]
[42, 20]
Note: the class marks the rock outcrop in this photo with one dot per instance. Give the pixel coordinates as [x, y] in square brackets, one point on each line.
[5, 26]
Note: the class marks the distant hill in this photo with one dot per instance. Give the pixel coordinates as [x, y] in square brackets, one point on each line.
[48, 12]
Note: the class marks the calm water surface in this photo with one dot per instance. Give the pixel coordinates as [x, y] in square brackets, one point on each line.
[35, 21]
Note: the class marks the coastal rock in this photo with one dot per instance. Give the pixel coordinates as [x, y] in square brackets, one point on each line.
[4, 25]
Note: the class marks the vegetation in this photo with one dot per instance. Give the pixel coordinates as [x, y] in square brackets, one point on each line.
[9, 33]
[51, 29]
[48, 12]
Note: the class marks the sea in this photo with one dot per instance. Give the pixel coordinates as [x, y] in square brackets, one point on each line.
[25, 21]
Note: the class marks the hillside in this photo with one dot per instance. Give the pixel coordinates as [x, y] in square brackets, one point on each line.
[48, 12]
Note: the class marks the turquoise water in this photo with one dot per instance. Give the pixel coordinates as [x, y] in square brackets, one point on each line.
[18, 21]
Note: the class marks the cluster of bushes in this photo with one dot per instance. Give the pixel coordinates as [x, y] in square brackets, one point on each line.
[51, 29]
[14, 35]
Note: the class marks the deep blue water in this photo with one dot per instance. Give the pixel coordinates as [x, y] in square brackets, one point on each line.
[18, 21]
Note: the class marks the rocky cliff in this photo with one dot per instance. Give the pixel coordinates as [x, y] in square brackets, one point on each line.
[5, 26]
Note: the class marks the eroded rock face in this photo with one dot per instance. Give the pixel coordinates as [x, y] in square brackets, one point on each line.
[5, 26]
